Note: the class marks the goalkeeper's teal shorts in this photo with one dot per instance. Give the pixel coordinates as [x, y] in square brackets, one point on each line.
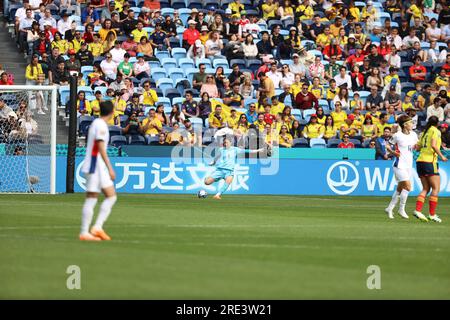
[222, 174]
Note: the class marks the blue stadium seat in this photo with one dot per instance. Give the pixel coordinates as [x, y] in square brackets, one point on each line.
[333, 143]
[274, 22]
[171, 93]
[307, 113]
[84, 123]
[168, 63]
[164, 83]
[162, 54]
[64, 93]
[154, 64]
[123, 120]
[102, 89]
[220, 63]
[175, 74]
[178, 53]
[136, 140]
[186, 63]
[300, 143]
[197, 4]
[205, 61]
[114, 131]
[158, 73]
[183, 12]
[356, 142]
[240, 62]
[178, 100]
[165, 102]
[118, 141]
[167, 11]
[190, 73]
[317, 143]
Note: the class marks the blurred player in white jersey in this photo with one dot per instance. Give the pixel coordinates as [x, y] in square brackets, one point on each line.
[405, 141]
[99, 175]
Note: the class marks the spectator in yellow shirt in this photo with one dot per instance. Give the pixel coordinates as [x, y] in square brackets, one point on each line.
[151, 126]
[139, 32]
[96, 47]
[269, 9]
[313, 129]
[324, 39]
[236, 7]
[233, 119]
[284, 138]
[305, 10]
[83, 105]
[217, 118]
[149, 96]
[338, 115]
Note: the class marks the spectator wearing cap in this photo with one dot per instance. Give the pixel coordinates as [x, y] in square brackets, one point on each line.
[134, 106]
[170, 27]
[90, 15]
[349, 127]
[190, 35]
[141, 68]
[204, 34]
[392, 98]
[305, 99]
[41, 45]
[252, 27]
[159, 39]
[196, 51]
[49, 31]
[84, 55]
[72, 65]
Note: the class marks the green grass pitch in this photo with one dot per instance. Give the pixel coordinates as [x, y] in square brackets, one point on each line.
[243, 247]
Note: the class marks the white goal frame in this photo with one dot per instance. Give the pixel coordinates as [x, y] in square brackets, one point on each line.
[53, 118]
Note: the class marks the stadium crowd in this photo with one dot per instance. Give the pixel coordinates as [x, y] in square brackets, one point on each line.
[299, 73]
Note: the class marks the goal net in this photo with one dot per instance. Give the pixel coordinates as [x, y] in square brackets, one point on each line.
[28, 139]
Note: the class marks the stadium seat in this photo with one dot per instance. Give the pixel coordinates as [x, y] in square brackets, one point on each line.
[158, 73]
[317, 143]
[220, 63]
[175, 74]
[171, 93]
[154, 64]
[197, 4]
[183, 12]
[178, 53]
[186, 63]
[253, 64]
[190, 73]
[118, 141]
[307, 113]
[164, 83]
[333, 143]
[300, 143]
[240, 62]
[152, 140]
[205, 61]
[178, 100]
[84, 123]
[168, 63]
[356, 142]
[162, 54]
[123, 120]
[114, 131]
[273, 23]
[136, 140]
[165, 101]
[167, 11]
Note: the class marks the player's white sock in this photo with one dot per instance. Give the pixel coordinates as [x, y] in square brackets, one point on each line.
[87, 214]
[394, 200]
[105, 210]
[403, 198]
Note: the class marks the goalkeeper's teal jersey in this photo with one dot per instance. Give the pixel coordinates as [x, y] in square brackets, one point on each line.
[228, 157]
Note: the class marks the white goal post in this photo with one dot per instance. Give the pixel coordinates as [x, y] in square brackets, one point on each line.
[28, 129]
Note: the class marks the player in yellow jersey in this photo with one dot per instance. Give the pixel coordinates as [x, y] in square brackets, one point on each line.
[428, 169]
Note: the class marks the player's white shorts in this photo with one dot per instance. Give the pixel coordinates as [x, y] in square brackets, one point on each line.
[402, 174]
[98, 180]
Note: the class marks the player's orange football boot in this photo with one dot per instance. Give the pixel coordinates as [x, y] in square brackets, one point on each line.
[217, 197]
[100, 234]
[89, 237]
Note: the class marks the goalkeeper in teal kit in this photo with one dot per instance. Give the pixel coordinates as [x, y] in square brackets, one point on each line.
[225, 162]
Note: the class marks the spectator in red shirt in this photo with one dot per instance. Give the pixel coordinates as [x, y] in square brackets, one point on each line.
[268, 117]
[190, 35]
[417, 72]
[5, 80]
[357, 58]
[446, 66]
[305, 99]
[346, 143]
[333, 49]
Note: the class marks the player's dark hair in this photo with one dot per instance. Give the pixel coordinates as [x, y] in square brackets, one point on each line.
[433, 121]
[403, 119]
[106, 108]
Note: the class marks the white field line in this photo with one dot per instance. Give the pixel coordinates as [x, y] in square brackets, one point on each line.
[234, 245]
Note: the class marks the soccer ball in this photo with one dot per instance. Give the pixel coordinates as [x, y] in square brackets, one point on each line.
[202, 194]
